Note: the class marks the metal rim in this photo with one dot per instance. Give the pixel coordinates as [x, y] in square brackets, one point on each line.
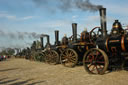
[69, 58]
[95, 61]
[52, 57]
[91, 38]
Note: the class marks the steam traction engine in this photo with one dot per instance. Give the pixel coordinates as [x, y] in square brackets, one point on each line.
[35, 52]
[50, 53]
[72, 49]
[111, 49]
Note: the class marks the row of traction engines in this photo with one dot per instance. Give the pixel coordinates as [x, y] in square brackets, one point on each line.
[69, 51]
[98, 51]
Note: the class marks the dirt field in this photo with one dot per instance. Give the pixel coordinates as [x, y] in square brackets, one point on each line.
[25, 72]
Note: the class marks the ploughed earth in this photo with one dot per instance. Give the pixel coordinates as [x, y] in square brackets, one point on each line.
[17, 71]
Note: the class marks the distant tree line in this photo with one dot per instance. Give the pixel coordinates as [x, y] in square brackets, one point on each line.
[7, 51]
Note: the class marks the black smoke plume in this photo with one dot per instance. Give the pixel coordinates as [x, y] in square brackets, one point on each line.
[19, 35]
[24, 37]
[68, 5]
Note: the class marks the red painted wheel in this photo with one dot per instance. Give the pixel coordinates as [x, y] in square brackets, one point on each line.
[69, 58]
[95, 61]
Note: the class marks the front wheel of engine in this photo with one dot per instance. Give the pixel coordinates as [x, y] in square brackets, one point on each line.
[95, 61]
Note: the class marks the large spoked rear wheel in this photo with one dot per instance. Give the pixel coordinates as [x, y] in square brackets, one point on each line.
[95, 61]
[69, 58]
[52, 57]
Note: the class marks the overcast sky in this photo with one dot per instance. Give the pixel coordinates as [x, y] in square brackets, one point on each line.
[22, 20]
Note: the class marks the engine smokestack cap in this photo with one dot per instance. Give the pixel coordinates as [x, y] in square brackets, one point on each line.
[102, 8]
[74, 23]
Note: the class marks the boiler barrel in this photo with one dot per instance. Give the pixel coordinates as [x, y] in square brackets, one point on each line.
[117, 44]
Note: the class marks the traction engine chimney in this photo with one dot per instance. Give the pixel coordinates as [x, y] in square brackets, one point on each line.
[56, 37]
[74, 30]
[42, 42]
[103, 21]
[48, 40]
